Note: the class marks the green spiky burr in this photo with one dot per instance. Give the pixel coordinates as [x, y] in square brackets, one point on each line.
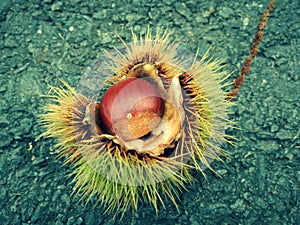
[164, 114]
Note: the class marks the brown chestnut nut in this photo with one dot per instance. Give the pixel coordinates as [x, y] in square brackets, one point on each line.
[131, 109]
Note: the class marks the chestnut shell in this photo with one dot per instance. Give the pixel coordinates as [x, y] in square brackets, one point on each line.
[131, 109]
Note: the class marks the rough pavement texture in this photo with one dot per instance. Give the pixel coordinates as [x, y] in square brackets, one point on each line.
[43, 41]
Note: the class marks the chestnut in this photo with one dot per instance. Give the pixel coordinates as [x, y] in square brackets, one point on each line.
[164, 115]
[131, 109]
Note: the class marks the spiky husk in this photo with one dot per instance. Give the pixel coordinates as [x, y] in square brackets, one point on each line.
[121, 180]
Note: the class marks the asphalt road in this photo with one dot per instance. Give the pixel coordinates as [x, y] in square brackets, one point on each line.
[44, 41]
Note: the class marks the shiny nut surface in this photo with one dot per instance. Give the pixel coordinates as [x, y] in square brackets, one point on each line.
[131, 108]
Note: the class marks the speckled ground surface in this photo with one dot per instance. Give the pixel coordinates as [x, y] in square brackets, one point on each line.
[42, 41]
